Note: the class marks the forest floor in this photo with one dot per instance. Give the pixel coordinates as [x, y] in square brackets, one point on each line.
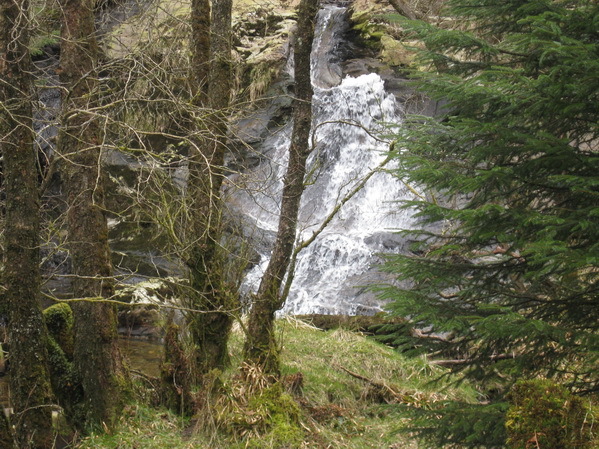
[344, 390]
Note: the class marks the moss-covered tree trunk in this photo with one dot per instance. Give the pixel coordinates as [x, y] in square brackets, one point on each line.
[200, 49]
[30, 390]
[260, 346]
[210, 293]
[96, 354]
[175, 373]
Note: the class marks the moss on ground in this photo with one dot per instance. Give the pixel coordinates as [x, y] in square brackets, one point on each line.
[546, 414]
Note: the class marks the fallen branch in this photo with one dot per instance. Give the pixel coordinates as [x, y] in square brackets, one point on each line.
[456, 362]
[381, 386]
[390, 395]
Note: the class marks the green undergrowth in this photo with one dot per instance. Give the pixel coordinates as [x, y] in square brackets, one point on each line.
[340, 389]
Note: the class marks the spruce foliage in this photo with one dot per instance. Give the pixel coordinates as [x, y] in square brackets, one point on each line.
[503, 279]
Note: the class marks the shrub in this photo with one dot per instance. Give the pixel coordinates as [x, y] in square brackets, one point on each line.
[543, 414]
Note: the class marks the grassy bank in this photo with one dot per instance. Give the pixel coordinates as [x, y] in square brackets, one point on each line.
[348, 388]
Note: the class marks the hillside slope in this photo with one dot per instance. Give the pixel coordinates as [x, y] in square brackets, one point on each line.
[349, 392]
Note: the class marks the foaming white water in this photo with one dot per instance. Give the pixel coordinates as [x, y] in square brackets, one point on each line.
[350, 124]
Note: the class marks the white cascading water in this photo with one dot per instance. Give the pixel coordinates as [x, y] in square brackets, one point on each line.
[350, 120]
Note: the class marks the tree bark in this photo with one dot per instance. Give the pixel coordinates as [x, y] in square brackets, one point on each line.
[260, 346]
[6, 435]
[200, 49]
[210, 329]
[96, 354]
[30, 389]
[175, 373]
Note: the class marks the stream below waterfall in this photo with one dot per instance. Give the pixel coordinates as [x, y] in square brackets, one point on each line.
[352, 121]
[143, 355]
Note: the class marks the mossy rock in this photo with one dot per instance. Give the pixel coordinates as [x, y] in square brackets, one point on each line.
[260, 33]
[396, 53]
[370, 32]
[545, 414]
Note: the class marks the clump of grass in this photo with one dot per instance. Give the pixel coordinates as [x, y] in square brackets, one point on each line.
[145, 427]
[548, 415]
[262, 417]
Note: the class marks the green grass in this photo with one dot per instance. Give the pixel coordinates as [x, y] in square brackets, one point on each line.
[143, 427]
[338, 410]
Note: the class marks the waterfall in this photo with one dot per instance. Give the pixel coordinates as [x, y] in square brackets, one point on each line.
[350, 120]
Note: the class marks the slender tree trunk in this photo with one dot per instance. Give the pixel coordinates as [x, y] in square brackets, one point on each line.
[175, 373]
[96, 355]
[30, 389]
[200, 49]
[210, 330]
[260, 346]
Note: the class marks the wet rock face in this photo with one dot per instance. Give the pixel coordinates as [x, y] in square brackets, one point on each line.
[330, 47]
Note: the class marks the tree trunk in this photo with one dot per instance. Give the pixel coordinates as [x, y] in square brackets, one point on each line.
[96, 355]
[175, 373]
[200, 49]
[211, 295]
[6, 436]
[31, 394]
[260, 346]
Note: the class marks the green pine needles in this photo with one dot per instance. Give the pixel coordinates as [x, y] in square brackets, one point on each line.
[503, 282]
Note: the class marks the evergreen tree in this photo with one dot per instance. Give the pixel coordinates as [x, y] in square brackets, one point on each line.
[503, 279]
